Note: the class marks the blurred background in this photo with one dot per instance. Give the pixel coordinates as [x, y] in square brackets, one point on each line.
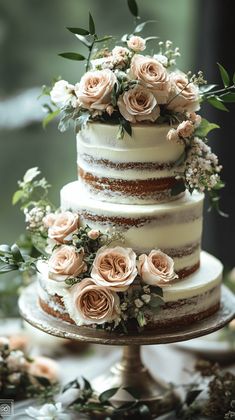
[32, 33]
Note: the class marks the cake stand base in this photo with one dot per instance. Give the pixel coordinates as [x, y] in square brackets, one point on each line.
[131, 374]
[130, 371]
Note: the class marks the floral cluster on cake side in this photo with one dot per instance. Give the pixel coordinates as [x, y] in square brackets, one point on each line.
[101, 281]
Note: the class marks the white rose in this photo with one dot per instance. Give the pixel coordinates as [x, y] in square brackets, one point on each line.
[62, 94]
[16, 361]
[136, 43]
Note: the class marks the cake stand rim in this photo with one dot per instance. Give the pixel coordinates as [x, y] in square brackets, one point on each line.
[32, 313]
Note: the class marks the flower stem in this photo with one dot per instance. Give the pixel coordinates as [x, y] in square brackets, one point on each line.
[216, 92]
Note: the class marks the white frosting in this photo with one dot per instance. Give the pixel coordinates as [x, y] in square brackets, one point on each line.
[104, 171]
[206, 278]
[147, 144]
[169, 225]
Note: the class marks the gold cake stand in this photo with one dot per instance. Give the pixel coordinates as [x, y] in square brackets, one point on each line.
[129, 371]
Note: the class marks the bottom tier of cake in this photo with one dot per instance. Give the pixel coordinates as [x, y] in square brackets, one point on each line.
[184, 302]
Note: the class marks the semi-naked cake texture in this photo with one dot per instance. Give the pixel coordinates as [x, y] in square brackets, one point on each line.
[125, 186]
[134, 170]
[174, 227]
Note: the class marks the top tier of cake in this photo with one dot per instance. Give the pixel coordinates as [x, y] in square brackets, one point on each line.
[134, 170]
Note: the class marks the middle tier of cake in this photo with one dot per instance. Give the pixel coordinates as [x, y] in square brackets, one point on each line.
[174, 227]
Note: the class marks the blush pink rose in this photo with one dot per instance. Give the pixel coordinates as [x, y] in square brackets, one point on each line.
[89, 303]
[185, 129]
[153, 75]
[173, 137]
[45, 367]
[95, 88]
[64, 225]
[184, 95]
[49, 220]
[66, 262]
[138, 104]
[195, 118]
[156, 269]
[114, 268]
[136, 43]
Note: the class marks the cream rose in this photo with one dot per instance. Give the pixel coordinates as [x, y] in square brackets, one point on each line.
[95, 88]
[136, 43]
[156, 269]
[45, 367]
[66, 262]
[173, 137]
[138, 104]
[89, 303]
[185, 129]
[114, 268]
[64, 225]
[184, 95]
[62, 94]
[152, 74]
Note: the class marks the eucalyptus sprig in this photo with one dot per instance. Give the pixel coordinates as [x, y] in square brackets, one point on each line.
[32, 191]
[218, 97]
[89, 38]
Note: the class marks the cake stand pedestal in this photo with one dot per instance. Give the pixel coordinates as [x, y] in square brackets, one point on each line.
[130, 371]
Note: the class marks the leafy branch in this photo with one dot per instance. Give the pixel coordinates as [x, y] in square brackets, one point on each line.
[88, 37]
[218, 97]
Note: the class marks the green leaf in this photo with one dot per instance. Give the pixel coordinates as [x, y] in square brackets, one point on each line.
[84, 40]
[17, 196]
[140, 27]
[178, 188]
[217, 103]
[105, 38]
[155, 301]
[234, 78]
[87, 385]
[106, 395]
[72, 56]
[205, 127]
[224, 75]
[50, 117]
[157, 290]
[5, 268]
[5, 249]
[78, 31]
[150, 38]
[133, 7]
[192, 395]
[91, 25]
[30, 174]
[181, 159]
[228, 97]
[72, 384]
[126, 126]
[16, 253]
[141, 319]
[206, 88]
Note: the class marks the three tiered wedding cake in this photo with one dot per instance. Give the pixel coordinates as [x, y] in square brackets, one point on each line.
[124, 249]
[125, 186]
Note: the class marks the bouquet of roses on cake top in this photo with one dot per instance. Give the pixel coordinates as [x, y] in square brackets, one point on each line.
[123, 84]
